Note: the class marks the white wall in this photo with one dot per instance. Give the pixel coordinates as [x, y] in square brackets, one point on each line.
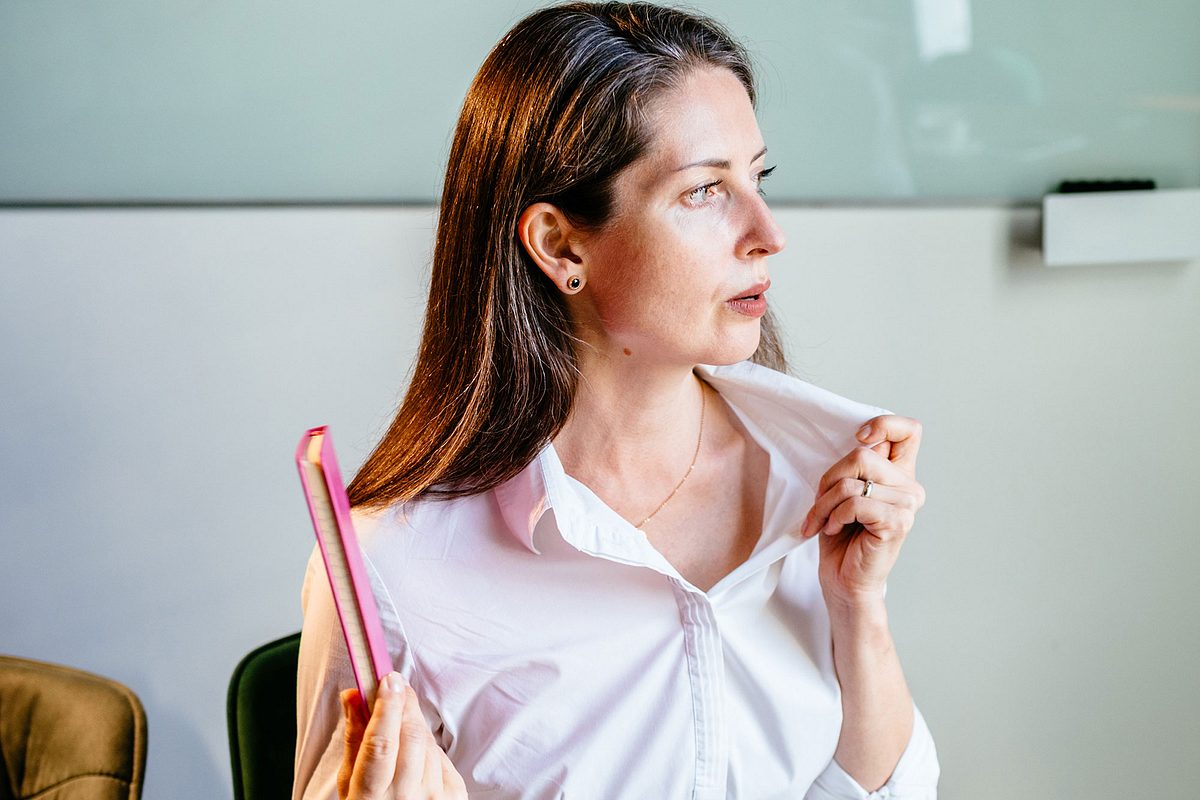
[158, 367]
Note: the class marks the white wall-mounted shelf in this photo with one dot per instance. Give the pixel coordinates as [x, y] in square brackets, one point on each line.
[1121, 227]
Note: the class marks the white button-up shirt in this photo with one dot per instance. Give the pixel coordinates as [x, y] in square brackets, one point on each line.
[557, 654]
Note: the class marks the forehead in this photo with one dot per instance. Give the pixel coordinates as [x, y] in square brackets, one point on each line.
[706, 115]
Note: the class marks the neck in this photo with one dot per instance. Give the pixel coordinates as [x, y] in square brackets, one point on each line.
[630, 421]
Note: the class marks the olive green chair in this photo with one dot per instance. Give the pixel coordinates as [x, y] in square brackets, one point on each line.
[66, 734]
[261, 711]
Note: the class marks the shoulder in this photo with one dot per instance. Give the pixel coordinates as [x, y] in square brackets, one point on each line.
[428, 528]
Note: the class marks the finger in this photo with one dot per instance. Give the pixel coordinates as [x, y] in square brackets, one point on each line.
[867, 511]
[862, 463]
[881, 520]
[433, 767]
[354, 725]
[845, 489]
[375, 761]
[901, 434]
[451, 780]
[415, 739]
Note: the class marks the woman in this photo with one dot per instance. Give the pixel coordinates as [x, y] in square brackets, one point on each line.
[593, 555]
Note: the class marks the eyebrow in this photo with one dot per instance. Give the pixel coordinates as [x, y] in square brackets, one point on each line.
[719, 163]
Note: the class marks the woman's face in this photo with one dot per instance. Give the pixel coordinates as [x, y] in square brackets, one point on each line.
[678, 274]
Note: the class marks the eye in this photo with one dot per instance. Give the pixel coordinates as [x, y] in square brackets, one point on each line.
[701, 194]
[762, 176]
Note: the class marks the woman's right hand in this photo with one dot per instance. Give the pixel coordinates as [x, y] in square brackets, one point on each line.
[392, 755]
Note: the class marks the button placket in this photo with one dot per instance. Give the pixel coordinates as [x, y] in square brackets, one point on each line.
[706, 672]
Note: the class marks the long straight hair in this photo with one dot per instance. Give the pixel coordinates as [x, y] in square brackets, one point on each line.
[557, 110]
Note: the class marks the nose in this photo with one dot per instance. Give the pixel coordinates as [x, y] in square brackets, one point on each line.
[763, 235]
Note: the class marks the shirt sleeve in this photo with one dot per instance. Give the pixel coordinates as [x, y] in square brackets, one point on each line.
[915, 776]
[324, 670]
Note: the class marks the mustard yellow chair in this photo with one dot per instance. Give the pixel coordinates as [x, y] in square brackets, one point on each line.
[66, 734]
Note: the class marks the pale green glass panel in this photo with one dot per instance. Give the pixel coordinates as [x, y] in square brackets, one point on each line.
[872, 100]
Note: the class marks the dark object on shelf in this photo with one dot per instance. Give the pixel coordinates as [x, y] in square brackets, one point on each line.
[1124, 185]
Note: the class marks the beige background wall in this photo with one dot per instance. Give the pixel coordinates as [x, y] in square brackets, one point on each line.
[158, 366]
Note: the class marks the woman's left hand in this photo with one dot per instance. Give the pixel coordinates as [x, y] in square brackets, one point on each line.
[861, 536]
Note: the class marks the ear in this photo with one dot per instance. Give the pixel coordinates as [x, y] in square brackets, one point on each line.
[549, 238]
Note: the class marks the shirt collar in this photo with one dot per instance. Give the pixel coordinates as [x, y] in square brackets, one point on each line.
[542, 500]
[804, 429]
[807, 426]
[523, 498]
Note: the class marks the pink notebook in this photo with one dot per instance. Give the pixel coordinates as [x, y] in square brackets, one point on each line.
[330, 511]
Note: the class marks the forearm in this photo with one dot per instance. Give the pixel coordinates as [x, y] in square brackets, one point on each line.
[877, 710]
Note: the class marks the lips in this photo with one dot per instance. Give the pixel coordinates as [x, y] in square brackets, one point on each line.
[751, 301]
[752, 292]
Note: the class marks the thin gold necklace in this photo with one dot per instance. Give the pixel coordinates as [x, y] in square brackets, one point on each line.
[692, 466]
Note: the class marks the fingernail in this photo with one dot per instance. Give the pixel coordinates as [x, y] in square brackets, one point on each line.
[864, 432]
[393, 683]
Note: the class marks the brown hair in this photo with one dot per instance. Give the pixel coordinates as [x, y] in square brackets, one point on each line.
[555, 113]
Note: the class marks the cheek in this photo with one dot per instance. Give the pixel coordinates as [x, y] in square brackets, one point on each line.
[631, 285]
[626, 304]
[651, 292]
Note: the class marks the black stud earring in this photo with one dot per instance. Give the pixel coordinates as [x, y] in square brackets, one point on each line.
[573, 283]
